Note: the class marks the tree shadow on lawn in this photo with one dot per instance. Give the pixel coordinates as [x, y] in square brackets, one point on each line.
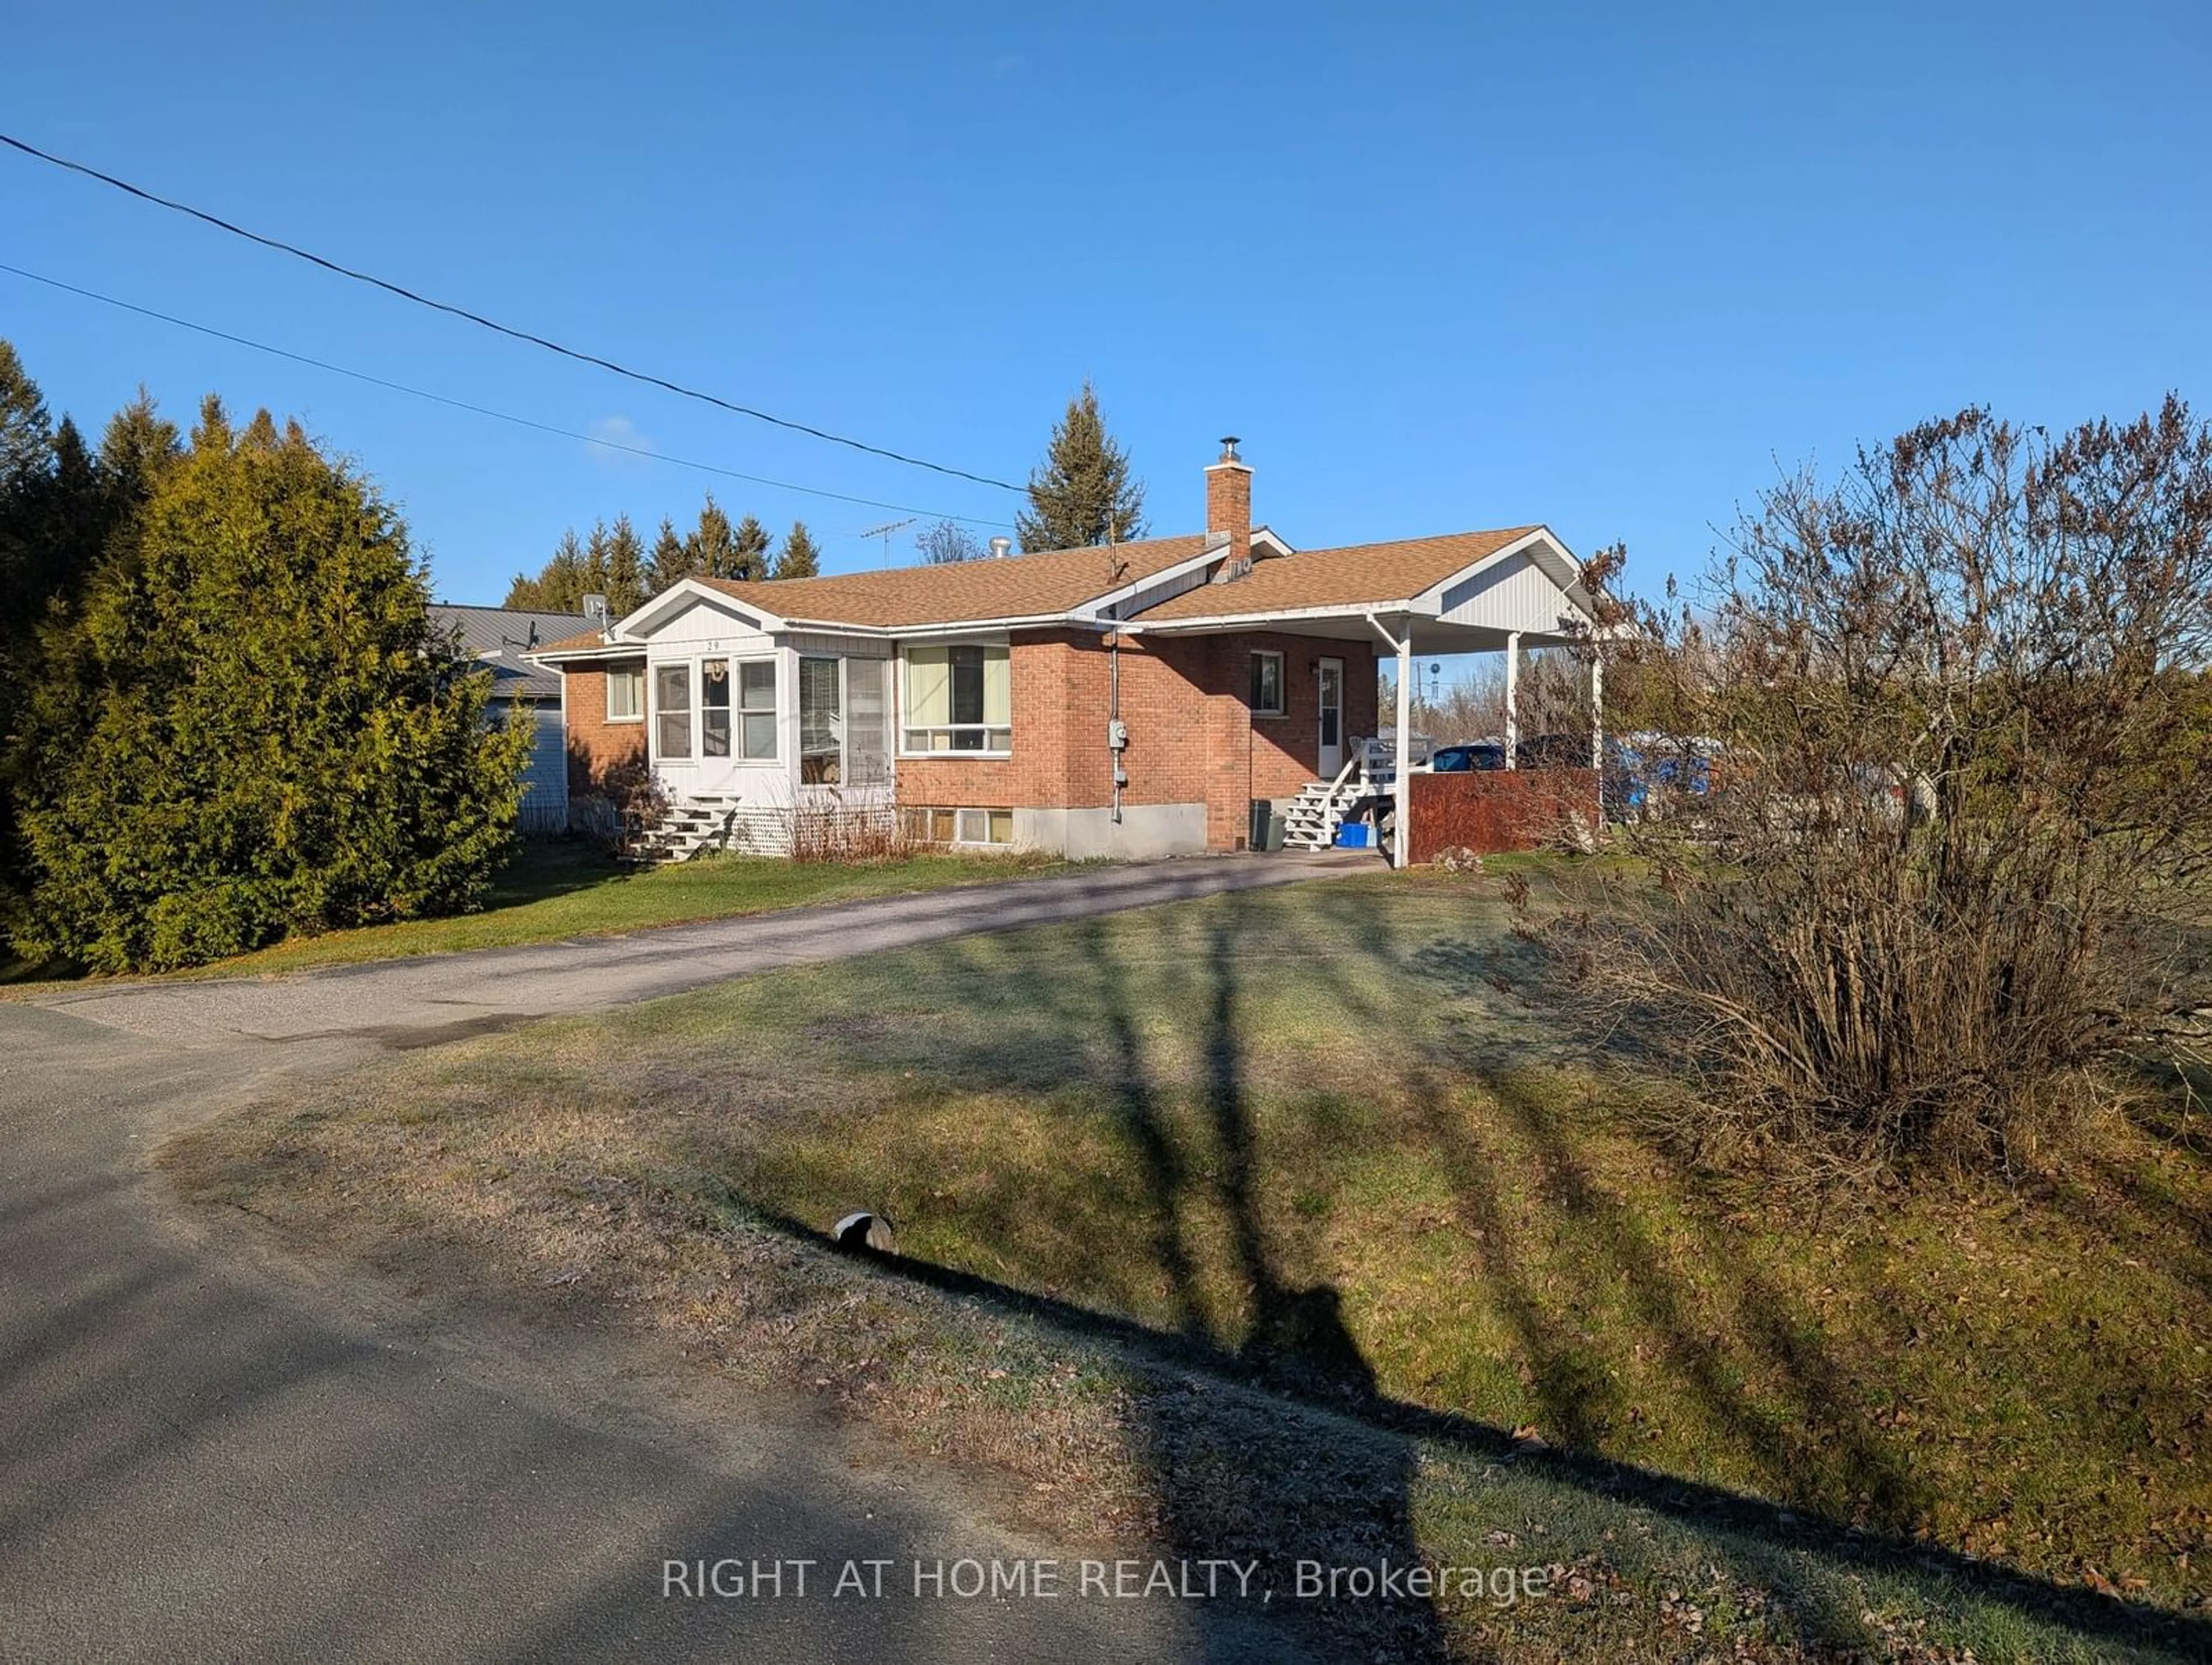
[1334, 1480]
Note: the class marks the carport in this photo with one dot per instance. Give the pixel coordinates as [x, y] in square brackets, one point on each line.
[1526, 592]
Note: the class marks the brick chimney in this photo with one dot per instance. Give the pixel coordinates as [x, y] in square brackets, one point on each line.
[1228, 510]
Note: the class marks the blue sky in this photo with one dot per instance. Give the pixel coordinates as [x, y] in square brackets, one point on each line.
[1604, 267]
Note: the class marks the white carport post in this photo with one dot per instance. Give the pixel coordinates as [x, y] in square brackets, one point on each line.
[1512, 698]
[1402, 781]
[1597, 709]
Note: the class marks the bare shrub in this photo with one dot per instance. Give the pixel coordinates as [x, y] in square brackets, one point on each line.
[832, 831]
[1962, 790]
[626, 804]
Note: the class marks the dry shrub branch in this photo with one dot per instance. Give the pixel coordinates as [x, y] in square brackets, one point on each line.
[1957, 721]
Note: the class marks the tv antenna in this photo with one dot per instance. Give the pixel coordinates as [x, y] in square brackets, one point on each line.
[884, 532]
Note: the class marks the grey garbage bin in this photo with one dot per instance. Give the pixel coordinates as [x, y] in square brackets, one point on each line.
[1278, 827]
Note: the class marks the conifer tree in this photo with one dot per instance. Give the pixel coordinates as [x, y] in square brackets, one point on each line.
[593, 581]
[625, 573]
[711, 548]
[749, 547]
[137, 448]
[1082, 493]
[26, 434]
[259, 731]
[800, 558]
[670, 563]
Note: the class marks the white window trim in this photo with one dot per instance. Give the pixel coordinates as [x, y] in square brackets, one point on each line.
[1282, 682]
[654, 750]
[696, 663]
[738, 755]
[906, 753]
[613, 672]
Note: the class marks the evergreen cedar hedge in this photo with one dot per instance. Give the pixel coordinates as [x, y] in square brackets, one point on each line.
[251, 728]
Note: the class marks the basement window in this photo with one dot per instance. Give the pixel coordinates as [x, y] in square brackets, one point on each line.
[1267, 685]
[949, 826]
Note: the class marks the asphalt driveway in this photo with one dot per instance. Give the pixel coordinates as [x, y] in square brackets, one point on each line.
[206, 1458]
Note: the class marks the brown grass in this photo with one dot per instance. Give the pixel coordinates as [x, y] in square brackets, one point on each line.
[1219, 1246]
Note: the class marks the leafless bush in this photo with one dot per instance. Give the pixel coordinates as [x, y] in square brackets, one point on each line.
[1550, 696]
[834, 831]
[1963, 785]
[626, 803]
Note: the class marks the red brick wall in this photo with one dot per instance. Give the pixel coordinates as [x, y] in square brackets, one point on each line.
[1492, 810]
[1229, 508]
[595, 746]
[1191, 737]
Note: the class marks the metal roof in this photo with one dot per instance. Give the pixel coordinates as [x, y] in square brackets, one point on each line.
[497, 637]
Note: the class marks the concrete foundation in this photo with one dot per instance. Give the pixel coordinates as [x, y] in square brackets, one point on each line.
[1144, 829]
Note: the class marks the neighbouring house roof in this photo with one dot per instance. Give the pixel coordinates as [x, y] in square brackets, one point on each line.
[1358, 575]
[499, 637]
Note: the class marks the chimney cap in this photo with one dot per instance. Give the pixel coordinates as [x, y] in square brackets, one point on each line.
[1228, 449]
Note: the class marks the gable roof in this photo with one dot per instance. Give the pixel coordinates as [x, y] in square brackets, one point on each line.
[1075, 587]
[1357, 575]
[1046, 585]
[582, 642]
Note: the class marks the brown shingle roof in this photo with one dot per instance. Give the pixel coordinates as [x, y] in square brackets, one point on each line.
[1361, 574]
[1056, 582]
[1051, 582]
[581, 639]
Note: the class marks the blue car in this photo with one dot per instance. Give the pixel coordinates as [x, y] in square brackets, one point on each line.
[1466, 759]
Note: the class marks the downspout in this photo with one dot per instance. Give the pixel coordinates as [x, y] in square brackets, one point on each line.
[1115, 732]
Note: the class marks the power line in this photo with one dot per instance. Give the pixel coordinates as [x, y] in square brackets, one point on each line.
[482, 409]
[404, 294]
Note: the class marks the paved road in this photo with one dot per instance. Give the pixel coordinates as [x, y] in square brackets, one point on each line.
[203, 1460]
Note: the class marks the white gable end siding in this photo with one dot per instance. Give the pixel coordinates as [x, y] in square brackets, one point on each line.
[1511, 594]
[703, 625]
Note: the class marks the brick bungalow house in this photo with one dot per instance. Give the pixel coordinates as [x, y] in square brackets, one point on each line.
[1126, 700]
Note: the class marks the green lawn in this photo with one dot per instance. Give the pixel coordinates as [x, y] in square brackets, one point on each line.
[1301, 1139]
[557, 890]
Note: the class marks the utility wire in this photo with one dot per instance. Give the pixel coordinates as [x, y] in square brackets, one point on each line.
[482, 409]
[404, 294]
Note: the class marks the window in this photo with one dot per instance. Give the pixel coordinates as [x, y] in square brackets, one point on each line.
[756, 708]
[935, 826]
[867, 723]
[671, 705]
[714, 708]
[821, 724]
[626, 694]
[959, 699]
[1267, 685]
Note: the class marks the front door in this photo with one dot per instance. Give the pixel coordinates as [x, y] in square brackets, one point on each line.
[716, 771]
[1330, 677]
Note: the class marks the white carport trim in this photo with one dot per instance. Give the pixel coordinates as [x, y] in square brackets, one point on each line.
[1401, 768]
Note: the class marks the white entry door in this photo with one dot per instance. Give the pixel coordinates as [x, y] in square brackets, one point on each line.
[716, 771]
[1330, 678]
